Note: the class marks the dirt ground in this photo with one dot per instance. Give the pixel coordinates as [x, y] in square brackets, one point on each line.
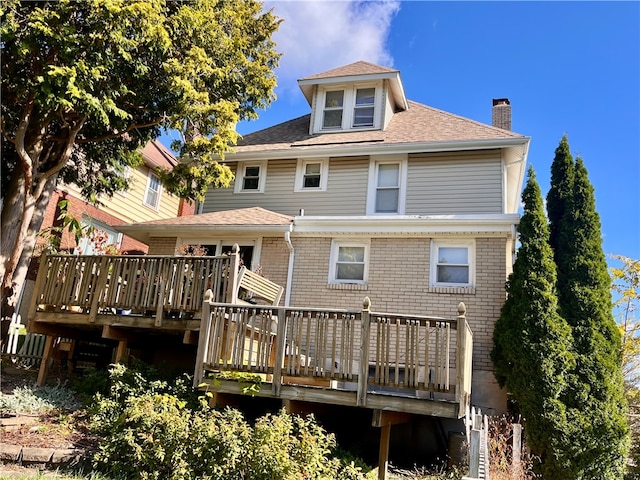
[57, 430]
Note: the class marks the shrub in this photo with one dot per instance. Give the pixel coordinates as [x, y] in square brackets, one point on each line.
[155, 434]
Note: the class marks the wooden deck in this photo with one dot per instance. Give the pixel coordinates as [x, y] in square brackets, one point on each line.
[380, 361]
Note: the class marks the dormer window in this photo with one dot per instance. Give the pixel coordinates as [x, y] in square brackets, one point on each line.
[348, 107]
[333, 106]
[363, 111]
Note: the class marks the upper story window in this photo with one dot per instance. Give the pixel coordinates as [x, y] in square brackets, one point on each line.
[333, 107]
[251, 177]
[364, 108]
[348, 107]
[387, 180]
[152, 192]
[452, 263]
[312, 175]
[349, 262]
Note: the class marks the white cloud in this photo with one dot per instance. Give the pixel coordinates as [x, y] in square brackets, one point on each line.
[318, 35]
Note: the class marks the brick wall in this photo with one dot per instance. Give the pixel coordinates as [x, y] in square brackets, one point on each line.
[399, 282]
[163, 245]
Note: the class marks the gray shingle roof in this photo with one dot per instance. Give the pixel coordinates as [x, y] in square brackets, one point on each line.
[357, 68]
[418, 124]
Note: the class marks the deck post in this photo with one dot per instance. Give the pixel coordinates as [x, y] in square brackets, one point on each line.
[232, 293]
[98, 289]
[280, 344]
[461, 336]
[363, 372]
[46, 359]
[42, 273]
[203, 338]
[383, 454]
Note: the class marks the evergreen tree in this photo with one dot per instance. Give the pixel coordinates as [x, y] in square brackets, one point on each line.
[532, 343]
[595, 399]
[560, 191]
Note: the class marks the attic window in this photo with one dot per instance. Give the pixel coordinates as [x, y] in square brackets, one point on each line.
[333, 106]
[363, 111]
[348, 107]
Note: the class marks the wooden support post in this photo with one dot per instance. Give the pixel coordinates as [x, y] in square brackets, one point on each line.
[35, 296]
[98, 289]
[160, 307]
[363, 372]
[232, 292]
[121, 352]
[281, 330]
[46, 359]
[203, 338]
[383, 455]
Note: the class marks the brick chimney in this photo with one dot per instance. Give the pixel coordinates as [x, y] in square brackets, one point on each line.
[501, 114]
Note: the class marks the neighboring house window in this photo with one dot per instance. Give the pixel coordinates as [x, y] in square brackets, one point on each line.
[251, 177]
[333, 107]
[452, 263]
[100, 238]
[387, 182]
[348, 262]
[363, 110]
[348, 107]
[152, 193]
[312, 175]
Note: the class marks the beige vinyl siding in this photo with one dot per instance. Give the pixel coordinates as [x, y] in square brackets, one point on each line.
[129, 206]
[345, 195]
[454, 183]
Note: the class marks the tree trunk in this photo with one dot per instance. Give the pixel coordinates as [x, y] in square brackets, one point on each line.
[11, 225]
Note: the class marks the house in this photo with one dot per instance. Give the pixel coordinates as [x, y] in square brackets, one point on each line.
[372, 195]
[391, 227]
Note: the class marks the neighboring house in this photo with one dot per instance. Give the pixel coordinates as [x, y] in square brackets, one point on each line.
[145, 200]
[372, 195]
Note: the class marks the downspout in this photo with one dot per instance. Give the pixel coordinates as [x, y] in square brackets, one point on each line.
[287, 293]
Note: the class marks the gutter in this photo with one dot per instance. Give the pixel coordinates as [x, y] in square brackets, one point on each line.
[287, 294]
[346, 149]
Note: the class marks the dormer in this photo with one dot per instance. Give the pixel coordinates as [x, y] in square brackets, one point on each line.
[359, 96]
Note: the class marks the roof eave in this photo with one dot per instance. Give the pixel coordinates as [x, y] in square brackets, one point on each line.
[143, 233]
[375, 149]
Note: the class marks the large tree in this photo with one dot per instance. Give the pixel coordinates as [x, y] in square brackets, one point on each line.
[86, 83]
[594, 398]
[532, 343]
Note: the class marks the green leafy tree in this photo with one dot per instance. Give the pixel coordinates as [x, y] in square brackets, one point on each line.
[86, 83]
[625, 288]
[532, 343]
[596, 407]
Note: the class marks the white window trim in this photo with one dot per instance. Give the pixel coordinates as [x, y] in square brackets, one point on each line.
[333, 259]
[300, 171]
[155, 207]
[402, 160]
[262, 179]
[348, 107]
[433, 270]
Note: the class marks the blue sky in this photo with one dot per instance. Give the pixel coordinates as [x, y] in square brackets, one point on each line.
[567, 67]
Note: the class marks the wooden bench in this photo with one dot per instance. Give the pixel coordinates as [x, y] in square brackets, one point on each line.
[259, 286]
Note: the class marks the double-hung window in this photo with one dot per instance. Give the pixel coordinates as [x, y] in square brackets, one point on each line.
[152, 192]
[387, 180]
[333, 108]
[312, 175]
[251, 178]
[349, 262]
[364, 107]
[452, 263]
[348, 107]
[388, 188]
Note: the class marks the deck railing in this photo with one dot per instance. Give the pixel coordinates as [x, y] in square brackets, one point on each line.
[148, 285]
[359, 350]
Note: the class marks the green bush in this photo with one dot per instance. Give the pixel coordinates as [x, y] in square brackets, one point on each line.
[158, 435]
